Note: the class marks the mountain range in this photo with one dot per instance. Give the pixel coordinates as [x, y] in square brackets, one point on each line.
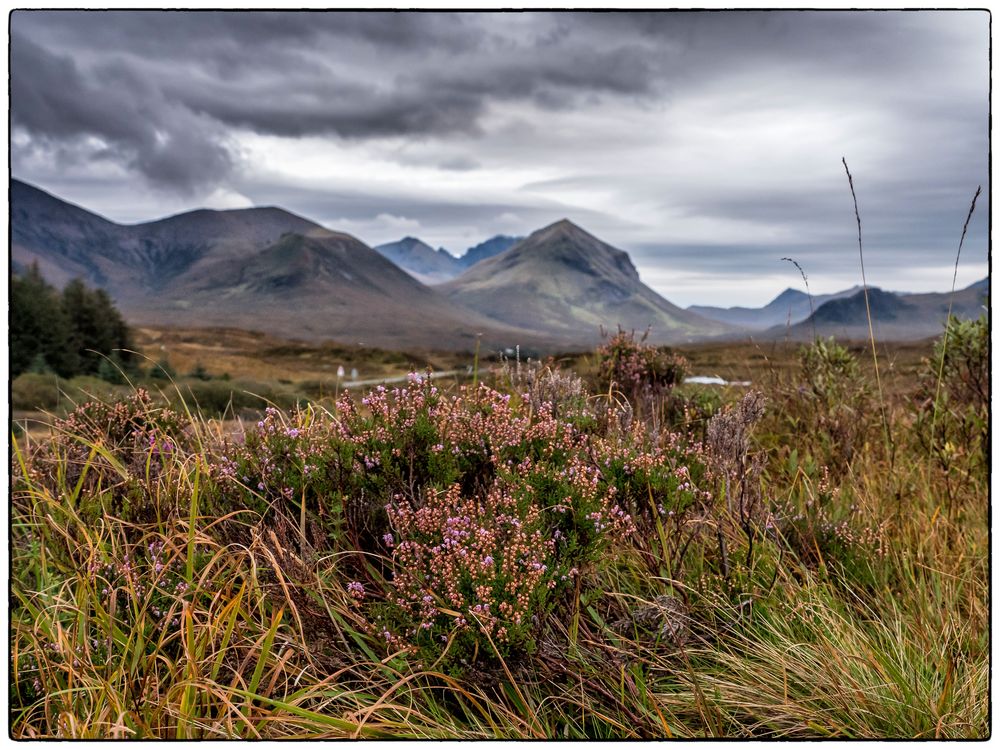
[895, 316]
[259, 268]
[270, 270]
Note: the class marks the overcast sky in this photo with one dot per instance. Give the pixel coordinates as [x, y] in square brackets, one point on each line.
[707, 145]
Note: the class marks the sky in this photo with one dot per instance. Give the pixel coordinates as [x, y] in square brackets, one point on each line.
[708, 145]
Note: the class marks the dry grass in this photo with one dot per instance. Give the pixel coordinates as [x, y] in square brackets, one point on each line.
[861, 612]
[258, 356]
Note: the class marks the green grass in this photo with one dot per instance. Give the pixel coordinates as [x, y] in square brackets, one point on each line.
[860, 611]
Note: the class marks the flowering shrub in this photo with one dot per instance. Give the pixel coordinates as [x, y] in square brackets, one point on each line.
[637, 369]
[466, 566]
[283, 461]
[485, 505]
[537, 383]
[110, 454]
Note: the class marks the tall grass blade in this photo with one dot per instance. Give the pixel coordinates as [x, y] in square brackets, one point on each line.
[947, 321]
[890, 449]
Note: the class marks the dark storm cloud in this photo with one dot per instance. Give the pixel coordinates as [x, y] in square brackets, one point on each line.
[725, 129]
[60, 105]
[161, 88]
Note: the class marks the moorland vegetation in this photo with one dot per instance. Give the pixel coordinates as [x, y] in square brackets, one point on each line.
[534, 553]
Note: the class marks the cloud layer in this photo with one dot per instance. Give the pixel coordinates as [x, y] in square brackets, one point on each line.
[706, 144]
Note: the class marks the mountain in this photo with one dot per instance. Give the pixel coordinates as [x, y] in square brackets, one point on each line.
[789, 306]
[129, 260]
[493, 246]
[895, 317]
[261, 268]
[431, 266]
[563, 281]
[421, 261]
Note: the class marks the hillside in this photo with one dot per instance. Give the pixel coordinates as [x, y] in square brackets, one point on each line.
[566, 282]
[128, 261]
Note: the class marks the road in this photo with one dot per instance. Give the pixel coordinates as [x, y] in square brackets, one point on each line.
[397, 379]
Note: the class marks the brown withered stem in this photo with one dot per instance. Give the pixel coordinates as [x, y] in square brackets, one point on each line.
[947, 321]
[890, 449]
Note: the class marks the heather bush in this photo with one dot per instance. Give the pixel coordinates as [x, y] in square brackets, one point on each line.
[636, 369]
[469, 573]
[485, 505]
[823, 523]
[108, 455]
[527, 503]
[284, 463]
[538, 383]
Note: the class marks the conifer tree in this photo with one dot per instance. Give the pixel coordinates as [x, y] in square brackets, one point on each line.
[38, 327]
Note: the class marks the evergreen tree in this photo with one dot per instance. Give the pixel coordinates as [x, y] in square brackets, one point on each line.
[70, 333]
[38, 327]
[96, 328]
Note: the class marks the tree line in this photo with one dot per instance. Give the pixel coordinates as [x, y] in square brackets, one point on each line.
[76, 331]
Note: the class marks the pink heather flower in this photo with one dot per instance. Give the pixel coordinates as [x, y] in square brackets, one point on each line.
[388, 540]
[356, 589]
[488, 560]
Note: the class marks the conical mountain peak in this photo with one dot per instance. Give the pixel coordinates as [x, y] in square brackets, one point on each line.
[563, 280]
[562, 228]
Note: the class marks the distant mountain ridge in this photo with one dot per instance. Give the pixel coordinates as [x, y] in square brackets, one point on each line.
[488, 249]
[271, 270]
[895, 317]
[791, 306]
[421, 261]
[431, 266]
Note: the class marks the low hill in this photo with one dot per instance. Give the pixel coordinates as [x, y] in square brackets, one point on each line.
[564, 281]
